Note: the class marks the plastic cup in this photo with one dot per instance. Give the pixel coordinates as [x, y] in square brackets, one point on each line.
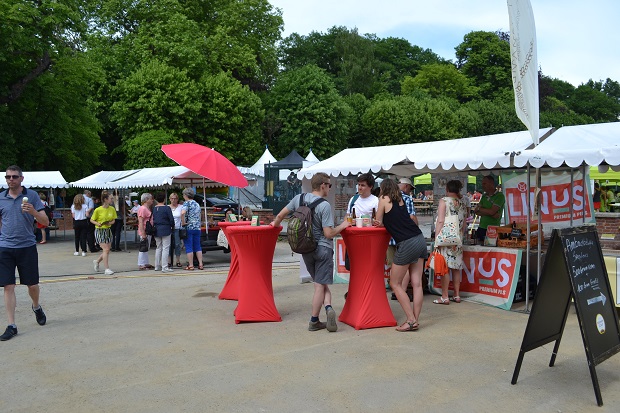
[359, 222]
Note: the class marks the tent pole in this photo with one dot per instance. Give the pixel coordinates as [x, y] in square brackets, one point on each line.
[527, 246]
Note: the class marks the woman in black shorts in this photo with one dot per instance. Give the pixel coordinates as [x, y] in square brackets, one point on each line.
[410, 251]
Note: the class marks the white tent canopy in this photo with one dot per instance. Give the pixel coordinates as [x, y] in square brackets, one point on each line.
[312, 157]
[147, 177]
[483, 152]
[258, 168]
[100, 179]
[42, 179]
[574, 145]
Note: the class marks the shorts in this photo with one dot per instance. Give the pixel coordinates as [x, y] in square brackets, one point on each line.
[481, 234]
[103, 235]
[26, 260]
[320, 264]
[192, 242]
[410, 250]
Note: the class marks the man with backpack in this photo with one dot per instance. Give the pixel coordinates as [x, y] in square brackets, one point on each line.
[320, 263]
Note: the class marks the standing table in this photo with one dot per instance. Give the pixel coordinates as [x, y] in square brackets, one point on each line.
[255, 247]
[366, 305]
[231, 286]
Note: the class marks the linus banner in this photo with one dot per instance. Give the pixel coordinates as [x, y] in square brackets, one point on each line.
[556, 194]
[489, 276]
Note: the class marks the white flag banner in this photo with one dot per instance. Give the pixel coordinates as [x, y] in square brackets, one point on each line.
[524, 63]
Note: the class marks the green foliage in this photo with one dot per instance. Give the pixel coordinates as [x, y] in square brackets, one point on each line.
[156, 97]
[495, 116]
[590, 99]
[230, 121]
[311, 112]
[144, 151]
[358, 135]
[440, 80]
[485, 58]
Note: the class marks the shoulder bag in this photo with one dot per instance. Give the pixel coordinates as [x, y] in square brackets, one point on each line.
[449, 234]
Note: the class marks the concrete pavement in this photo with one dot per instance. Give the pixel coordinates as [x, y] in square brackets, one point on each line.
[141, 341]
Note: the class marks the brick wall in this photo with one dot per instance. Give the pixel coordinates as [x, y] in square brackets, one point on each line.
[608, 223]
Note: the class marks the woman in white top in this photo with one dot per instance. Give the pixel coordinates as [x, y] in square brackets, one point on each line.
[175, 248]
[80, 223]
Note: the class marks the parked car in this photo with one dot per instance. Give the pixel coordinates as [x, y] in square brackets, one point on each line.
[218, 202]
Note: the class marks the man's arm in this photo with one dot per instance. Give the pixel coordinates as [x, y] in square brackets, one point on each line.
[278, 219]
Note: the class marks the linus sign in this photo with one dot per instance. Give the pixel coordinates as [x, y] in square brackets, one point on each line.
[556, 194]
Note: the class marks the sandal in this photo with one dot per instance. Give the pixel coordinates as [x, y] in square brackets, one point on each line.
[200, 267]
[456, 299]
[408, 326]
[142, 268]
[442, 301]
[188, 268]
[179, 264]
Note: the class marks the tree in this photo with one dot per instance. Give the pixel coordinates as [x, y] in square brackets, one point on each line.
[485, 58]
[230, 119]
[590, 99]
[397, 58]
[440, 80]
[311, 112]
[144, 151]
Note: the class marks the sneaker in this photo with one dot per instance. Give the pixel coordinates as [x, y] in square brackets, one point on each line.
[41, 318]
[108, 272]
[9, 333]
[96, 265]
[157, 268]
[316, 326]
[83, 254]
[76, 253]
[331, 321]
[167, 269]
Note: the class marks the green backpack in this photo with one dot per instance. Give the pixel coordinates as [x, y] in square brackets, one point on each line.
[299, 230]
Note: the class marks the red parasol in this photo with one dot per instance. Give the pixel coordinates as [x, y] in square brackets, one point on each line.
[206, 162]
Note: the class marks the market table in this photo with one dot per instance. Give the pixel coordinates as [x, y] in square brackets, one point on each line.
[366, 305]
[255, 247]
[231, 286]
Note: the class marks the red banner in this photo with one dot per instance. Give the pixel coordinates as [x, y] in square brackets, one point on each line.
[489, 275]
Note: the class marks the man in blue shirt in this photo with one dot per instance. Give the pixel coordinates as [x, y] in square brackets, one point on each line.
[19, 207]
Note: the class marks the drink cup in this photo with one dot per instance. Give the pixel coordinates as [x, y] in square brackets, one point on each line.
[359, 222]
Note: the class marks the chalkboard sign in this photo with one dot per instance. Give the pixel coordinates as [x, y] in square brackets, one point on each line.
[574, 269]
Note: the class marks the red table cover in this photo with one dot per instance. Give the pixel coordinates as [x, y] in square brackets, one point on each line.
[231, 286]
[366, 305]
[255, 248]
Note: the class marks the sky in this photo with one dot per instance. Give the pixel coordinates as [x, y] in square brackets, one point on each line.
[577, 40]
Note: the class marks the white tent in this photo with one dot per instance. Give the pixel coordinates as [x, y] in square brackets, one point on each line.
[258, 168]
[483, 152]
[147, 177]
[42, 179]
[312, 157]
[593, 144]
[253, 194]
[100, 179]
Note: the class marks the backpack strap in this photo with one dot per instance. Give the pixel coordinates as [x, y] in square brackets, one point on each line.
[315, 203]
[352, 201]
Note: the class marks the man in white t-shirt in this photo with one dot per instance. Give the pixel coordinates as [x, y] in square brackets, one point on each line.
[364, 201]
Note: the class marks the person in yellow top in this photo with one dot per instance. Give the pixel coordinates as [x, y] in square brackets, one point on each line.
[102, 219]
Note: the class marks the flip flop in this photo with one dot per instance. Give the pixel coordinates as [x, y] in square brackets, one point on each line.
[442, 301]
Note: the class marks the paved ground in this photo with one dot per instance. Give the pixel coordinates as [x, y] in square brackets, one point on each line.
[143, 342]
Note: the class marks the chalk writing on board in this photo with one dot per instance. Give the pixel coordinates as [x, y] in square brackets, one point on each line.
[592, 283]
[600, 299]
[580, 270]
[578, 243]
[579, 257]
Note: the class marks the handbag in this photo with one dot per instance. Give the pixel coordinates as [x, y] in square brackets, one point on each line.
[183, 233]
[450, 234]
[144, 245]
[437, 263]
[150, 229]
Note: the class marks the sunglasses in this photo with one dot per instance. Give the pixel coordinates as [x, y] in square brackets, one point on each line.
[12, 177]
[328, 184]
